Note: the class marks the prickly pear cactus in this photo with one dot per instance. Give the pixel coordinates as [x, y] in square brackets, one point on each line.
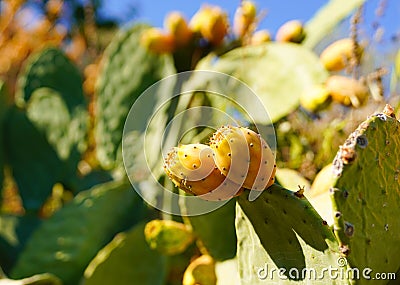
[207, 226]
[64, 128]
[168, 237]
[128, 69]
[280, 229]
[366, 198]
[127, 259]
[51, 68]
[35, 165]
[276, 62]
[15, 231]
[38, 279]
[3, 110]
[54, 246]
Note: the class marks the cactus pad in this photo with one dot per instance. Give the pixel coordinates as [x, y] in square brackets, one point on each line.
[3, 110]
[51, 68]
[366, 195]
[277, 62]
[128, 70]
[280, 229]
[215, 231]
[35, 165]
[66, 242]
[127, 259]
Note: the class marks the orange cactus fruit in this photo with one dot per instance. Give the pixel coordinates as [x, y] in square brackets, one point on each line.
[192, 168]
[212, 23]
[245, 18]
[291, 31]
[156, 41]
[347, 91]
[176, 24]
[244, 157]
[337, 55]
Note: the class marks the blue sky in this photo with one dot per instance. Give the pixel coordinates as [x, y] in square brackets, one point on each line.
[278, 11]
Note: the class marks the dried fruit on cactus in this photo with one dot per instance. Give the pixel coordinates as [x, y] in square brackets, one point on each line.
[244, 157]
[291, 31]
[156, 41]
[245, 17]
[338, 55]
[192, 169]
[347, 91]
[212, 23]
[177, 26]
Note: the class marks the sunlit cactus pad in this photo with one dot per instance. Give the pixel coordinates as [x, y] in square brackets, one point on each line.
[366, 195]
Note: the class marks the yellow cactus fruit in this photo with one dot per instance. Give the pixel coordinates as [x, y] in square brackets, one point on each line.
[243, 156]
[347, 91]
[156, 41]
[212, 23]
[200, 271]
[245, 18]
[192, 168]
[177, 26]
[168, 237]
[315, 98]
[337, 55]
[260, 37]
[291, 31]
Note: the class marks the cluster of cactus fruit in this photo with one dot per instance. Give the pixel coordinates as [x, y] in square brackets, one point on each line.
[342, 89]
[236, 158]
[209, 27]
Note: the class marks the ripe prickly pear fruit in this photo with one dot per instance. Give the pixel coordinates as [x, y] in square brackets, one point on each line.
[156, 41]
[338, 54]
[315, 99]
[243, 156]
[192, 169]
[212, 23]
[245, 18]
[260, 37]
[168, 237]
[176, 24]
[200, 271]
[291, 31]
[347, 91]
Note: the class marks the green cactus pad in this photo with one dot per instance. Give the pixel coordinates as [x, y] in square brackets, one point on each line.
[128, 70]
[66, 242]
[35, 165]
[327, 18]
[15, 231]
[51, 68]
[126, 260]
[280, 85]
[291, 179]
[64, 128]
[280, 229]
[39, 279]
[216, 231]
[366, 195]
[3, 111]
